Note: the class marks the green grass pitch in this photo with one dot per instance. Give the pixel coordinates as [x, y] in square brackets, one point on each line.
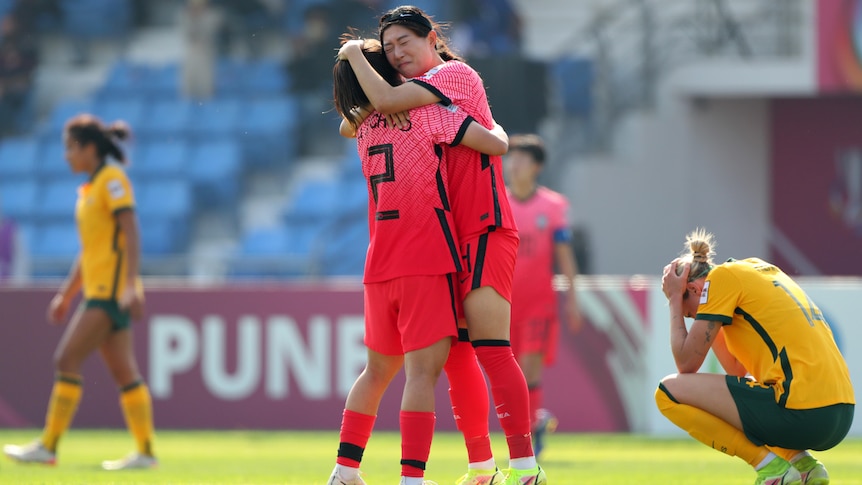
[307, 458]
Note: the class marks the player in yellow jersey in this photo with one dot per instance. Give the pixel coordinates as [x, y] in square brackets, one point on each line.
[106, 272]
[787, 388]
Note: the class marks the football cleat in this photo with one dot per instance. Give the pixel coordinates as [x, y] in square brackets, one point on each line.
[812, 471]
[35, 452]
[134, 461]
[778, 472]
[475, 476]
[533, 476]
[336, 479]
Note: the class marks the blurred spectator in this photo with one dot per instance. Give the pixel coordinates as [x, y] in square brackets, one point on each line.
[243, 25]
[310, 72]
[12, 254]
[18, 58]
[363, 15]
[200, 24]
[33, 15]
[484, 28]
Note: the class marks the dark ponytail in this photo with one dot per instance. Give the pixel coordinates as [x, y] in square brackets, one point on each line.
[86, 129]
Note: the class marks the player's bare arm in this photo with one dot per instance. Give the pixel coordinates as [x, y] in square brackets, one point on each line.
[59, 306]
[487, 141]
[385, 98]
[130, 298]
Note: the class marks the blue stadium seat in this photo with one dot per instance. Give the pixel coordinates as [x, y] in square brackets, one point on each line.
[161, 159]
[269, 131]
[96, 18]
[56, 240]
[131, 109]
[125, 78]
[158, 237]
[265, 77]
[167, 118]
[216, 118]
[229, 77]
[61, 113]
[56, 201]
[168, 201]
[18, 199]
[315, 200]
[164, 80]
[18, 158]
[345, 249]
[52, 162]
[283, 251]
[573, 81]
[215, 171]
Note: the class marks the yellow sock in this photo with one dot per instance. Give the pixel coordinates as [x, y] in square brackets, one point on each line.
[708, 429]
[138, 410]
[784, 452]
[65, 397]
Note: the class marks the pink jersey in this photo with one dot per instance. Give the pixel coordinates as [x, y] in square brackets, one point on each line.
[476, 179]
[409, 218]
[539, 219]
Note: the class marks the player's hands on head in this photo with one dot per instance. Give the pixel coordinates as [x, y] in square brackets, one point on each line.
[57, 309]
[675, 278]
[345, 48]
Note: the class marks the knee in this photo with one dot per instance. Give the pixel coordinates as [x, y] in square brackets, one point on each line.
[66, 362]
[664, 398]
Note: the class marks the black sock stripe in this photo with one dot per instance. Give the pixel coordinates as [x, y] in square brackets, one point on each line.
[491, 343]
[68, 379]
[669, 395]
[414, 463]
[351, 451]
[463, 335]
[129, 387]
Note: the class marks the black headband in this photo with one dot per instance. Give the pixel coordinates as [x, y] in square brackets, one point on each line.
[404, 18]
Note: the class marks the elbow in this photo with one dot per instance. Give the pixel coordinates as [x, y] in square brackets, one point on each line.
[688, 365]
[499, 150]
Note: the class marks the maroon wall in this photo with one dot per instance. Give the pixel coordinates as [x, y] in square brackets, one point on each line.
[270, 357]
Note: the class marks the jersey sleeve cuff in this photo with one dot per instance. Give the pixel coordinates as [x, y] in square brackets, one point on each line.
[123, 208]
[462, 131]
[724, 319]
[444, 100]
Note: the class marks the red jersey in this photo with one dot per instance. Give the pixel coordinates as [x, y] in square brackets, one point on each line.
[476, 179]
[541, 219]
[409, 217]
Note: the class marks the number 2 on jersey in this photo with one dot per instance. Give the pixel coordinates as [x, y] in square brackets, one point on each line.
[388, 175]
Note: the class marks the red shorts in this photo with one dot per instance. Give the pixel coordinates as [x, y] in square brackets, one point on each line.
[410, 313]
[490, 261]
[535, 332]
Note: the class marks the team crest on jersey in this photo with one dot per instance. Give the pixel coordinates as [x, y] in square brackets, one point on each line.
[704, 295]
[115, 188]
[541, 221]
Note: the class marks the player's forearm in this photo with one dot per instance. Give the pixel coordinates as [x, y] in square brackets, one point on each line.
[379, 91]
[72, 284]
[679, 336]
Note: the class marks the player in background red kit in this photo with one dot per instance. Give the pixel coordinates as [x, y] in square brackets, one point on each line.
[488, 241]
[411, 314]
[545, 231]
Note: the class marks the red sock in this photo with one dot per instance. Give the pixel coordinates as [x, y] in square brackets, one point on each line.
[510, 392]
[355, 431]
[417, 431]
[535, 404]
[468, 392]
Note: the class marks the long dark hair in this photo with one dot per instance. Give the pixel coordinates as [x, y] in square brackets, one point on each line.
[347, 93]
[86, 129]
[414, 19]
